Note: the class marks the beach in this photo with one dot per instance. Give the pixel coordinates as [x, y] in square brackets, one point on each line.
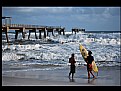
[107, 76]
[44, 62]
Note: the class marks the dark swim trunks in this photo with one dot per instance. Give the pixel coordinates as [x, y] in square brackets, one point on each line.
[72, 68]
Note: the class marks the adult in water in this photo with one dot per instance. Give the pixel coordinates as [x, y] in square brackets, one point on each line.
[89, 61]
[72, 66]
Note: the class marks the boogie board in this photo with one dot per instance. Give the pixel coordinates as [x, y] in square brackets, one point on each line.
[84, 54]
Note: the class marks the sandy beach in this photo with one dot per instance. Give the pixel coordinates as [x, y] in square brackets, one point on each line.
[13, 81]
[107, 76]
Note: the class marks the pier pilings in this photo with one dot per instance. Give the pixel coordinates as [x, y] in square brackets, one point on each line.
[33, 30]
[21, 30]
[6, 29]
[40, 33]
[76, 30]
[49, 30]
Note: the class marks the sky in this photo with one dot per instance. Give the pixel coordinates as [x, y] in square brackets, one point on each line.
[89, 18]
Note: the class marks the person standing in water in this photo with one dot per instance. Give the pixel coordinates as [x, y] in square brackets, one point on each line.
[72, 66]
[89, 61]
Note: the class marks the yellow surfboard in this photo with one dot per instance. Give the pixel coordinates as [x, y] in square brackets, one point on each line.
[84, 54]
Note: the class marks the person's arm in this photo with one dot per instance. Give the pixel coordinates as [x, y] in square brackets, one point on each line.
[69, 60]
[74, 61]
[92, 58]
[86, 59]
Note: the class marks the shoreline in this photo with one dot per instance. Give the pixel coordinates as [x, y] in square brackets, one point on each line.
[107, 76]
[14, 81]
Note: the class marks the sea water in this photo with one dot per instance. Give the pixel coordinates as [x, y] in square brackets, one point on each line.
[54, 51]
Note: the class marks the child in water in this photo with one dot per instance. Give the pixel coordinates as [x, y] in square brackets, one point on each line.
[72, 66]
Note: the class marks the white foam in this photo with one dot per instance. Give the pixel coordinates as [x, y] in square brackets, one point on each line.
[105, 47]
[10, 56]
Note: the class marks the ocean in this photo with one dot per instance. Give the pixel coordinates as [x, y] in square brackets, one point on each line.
[54, 51]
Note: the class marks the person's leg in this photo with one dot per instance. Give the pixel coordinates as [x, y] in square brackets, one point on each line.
[69, 74]
[92, 74]
[70, 71]
[72, 75]
[88, 74]
[73, 71]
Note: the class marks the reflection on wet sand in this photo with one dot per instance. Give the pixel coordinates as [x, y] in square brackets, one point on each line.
[71, 80]
[91, 81]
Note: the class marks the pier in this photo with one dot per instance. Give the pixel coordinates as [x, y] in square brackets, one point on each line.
[21, 28]
[76, 30]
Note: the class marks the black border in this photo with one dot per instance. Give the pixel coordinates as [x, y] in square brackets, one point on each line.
[60, 2]
[67, 3]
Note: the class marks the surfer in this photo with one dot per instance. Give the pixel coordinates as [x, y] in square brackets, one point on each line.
[72, 66]
[89, 61]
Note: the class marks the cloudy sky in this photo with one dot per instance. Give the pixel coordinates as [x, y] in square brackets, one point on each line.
[90, 18]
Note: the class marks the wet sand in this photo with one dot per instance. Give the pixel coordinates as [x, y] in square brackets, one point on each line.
[107, 76]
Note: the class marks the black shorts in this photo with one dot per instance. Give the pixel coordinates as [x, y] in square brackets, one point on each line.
[72, 69]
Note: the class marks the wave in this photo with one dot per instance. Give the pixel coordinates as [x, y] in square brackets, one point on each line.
[57, 49]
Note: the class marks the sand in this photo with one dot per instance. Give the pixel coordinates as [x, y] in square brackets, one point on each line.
[13, 81]
[107, 76]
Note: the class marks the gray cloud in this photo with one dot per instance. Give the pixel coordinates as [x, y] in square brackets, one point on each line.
[92, 17]
[65, 10]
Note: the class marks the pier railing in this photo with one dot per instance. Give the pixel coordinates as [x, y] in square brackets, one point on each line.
[32, 28]
[29, 26]
[23, 25]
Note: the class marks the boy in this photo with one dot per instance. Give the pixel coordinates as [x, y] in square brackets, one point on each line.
[72, 66]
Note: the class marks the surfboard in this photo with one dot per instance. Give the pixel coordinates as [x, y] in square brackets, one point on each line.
[84, 54]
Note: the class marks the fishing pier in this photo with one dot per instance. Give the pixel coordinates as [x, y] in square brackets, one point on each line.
[21, 28]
